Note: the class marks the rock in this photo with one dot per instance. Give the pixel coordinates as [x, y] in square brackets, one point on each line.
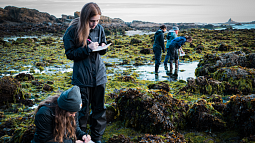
[145, 51]
[110, 113]
[240, 114]
[119, 139]
[24, 77]
[126, 78]
[47, 87]
[202, 117]
[141, 112]
[10, 90]
[160, 85]
[135, 41]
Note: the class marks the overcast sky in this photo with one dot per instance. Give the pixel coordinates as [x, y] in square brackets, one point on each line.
[159, 11]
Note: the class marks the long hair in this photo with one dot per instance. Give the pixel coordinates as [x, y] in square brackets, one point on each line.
[89, 10]
[65, 126]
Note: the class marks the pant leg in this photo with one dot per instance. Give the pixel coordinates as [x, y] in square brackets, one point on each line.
[157, 52]
[98, 116]
[84, 112]
[167, 57]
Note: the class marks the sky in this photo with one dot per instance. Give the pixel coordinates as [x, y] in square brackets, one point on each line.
[158, 11]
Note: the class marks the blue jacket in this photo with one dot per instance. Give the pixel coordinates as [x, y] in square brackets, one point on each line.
[88, 69]
[178, 42]
[159, 40]
[170, 36]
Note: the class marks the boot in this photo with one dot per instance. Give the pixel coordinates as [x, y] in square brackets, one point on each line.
[156, 69]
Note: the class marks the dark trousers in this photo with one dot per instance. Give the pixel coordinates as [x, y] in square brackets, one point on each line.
[157, 52]
[93, 96]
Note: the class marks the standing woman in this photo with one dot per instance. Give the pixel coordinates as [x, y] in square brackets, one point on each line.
[84, 35]
[158, 46]
[56, 119]
[176, 45]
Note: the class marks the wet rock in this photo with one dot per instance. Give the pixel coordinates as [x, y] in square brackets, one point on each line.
[135, 41]
[225, 47]
[203, 116]
[50, 82]
[24, 77]
[145, 51]
[170, 137]
[119, 139]
[110, 113]
[10, 90]
[23, 135]
[47, 87]
[240, 114]
[219, 106]
[144, 113]
[160, 86]
[36, 83]
[126, 78]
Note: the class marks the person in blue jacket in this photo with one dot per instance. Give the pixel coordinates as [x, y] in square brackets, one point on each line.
[81, 38]
[174, 46]
[158, 46]
[56, 119]
[170, 36]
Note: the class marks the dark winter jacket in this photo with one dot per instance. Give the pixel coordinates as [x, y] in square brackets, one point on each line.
[88, 69]
[45, 124]
[159, 40]
[178, 42]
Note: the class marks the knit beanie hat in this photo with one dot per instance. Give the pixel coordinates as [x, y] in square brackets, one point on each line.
[70, 100]
[175, 28]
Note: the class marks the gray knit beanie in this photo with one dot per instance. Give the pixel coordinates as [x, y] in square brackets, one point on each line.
[175, 28]
[70, 100]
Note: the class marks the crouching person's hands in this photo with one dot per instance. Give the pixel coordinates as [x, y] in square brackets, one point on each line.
[86, 138]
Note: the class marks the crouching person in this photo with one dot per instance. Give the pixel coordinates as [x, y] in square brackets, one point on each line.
[56, 119]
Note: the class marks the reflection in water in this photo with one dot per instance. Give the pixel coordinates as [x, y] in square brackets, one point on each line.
[172, 76]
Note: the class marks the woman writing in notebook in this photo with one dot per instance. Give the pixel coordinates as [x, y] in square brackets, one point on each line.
[81, 40]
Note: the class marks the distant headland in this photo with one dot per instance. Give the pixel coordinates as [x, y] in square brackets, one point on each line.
[13, 16]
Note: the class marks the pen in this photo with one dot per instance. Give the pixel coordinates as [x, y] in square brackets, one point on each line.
[89, 40]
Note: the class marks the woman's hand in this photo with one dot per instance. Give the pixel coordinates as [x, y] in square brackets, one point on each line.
[79, 141]
[93, 45]
[86, 138]
[103, 44]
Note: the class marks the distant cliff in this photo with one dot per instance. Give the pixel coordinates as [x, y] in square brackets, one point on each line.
[15, 15]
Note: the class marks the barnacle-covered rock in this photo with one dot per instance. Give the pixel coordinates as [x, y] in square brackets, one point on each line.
[160, 85]
[10, 90]
[24, 77]
[119, 139]
[240, 113]
[202, 116]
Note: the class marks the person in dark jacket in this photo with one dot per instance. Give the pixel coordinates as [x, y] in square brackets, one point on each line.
[158, 46]
[81, 38]
[56, 119]
[174, 46]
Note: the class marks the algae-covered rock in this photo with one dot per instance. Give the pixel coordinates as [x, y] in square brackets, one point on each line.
[10, 90]
[202, 116]
[160, 85]
[24, 77]
[143, 112]
[110, 113]
[240, 114]
[169, 137]
[135, 41]
[145, 51]
[119, 139]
